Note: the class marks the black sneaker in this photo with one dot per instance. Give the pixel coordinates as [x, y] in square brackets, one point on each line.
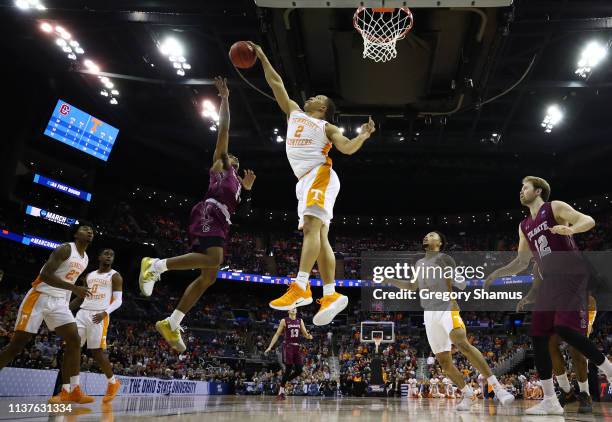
[566, 398]
[586, 403]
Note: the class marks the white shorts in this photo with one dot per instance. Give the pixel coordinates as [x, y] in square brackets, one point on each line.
[438, 325]
[316, 193]
[37, 306]
[93, 334]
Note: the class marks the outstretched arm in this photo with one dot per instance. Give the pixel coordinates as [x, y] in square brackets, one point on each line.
[224, 123]
[520, 263]
[274, 80]
[346, 145]
[277, 334]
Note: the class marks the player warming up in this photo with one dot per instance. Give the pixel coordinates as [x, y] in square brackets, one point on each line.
[208, 228]
[561, 301]
[290, 328]
[443, 324]
[92, 319]
[47, 301]
[310, 136]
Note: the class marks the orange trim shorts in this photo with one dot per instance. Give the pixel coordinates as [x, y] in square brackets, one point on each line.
[92, 334]
[438, 325]
[37, 307]
[316, 193]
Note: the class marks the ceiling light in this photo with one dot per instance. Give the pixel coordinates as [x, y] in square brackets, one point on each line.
[171, 47]
[114, 101]
[553, 116]
[79, 50]
[180, 72]
[115, 92]
[358, 130]
[45, 27]
[104, 93]
[279, 139]
[72, 56]
[591, 56]
[61, 42]
[213, 128]
[186, 66]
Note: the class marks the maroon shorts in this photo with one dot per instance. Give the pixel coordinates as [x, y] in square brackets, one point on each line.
[560, 301]
[206, 220]
[292, 355]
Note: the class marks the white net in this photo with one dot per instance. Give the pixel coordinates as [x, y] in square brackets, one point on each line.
[381, 29]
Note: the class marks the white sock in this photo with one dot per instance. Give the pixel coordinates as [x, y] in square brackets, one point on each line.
[159, 266]
[66, 387]
[549, 388]
[493, 382]
[74, 381]
[606, 367]
[584, 387]
[329, 289]
[175, 319]
[112, 380]
[302, 279]
[467, 390]
[563, 382]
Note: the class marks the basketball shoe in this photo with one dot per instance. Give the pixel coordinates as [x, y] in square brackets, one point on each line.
[111, 391]
[331, 305]
[548, 406]
[75, 396]
[172, 337]
[466, 403]
[148, 277]
[293, 298]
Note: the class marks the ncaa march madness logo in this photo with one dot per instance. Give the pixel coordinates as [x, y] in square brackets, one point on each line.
[64, 109]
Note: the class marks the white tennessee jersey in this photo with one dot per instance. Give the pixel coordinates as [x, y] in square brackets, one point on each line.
[307, 145]
[101, 288]
[68, 271]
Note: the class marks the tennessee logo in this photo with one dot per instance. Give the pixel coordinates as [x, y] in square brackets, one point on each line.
[316, 194]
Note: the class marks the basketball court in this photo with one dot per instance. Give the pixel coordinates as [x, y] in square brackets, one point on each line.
[266, 408]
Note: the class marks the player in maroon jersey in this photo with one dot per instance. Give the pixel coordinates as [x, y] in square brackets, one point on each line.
[290, 328]
[561, 301]
[208, 229]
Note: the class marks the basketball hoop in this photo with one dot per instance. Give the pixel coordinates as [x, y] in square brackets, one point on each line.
[381, 28]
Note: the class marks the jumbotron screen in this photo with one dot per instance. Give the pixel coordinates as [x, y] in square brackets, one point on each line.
[81, 130]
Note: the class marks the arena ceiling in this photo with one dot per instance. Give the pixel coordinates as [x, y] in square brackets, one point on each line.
[436, 125]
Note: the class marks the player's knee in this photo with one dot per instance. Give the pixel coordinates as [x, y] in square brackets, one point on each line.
[312, 226]
[205, 282]
[72, 340]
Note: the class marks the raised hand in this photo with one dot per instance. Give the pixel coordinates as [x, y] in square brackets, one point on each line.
[257, 49]
[221, 84]
[368, 128]
[248, 179]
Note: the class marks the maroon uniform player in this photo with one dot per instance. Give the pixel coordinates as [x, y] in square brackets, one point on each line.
[209, 224]
[561, 301]
[290, 328]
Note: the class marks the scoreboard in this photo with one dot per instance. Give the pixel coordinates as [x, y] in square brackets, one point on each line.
[81, 130]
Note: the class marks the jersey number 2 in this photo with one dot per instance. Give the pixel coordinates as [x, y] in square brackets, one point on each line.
[298, 131]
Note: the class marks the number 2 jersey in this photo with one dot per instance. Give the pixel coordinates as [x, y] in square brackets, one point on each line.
[307, 145]
[68, 271]
[554, 253]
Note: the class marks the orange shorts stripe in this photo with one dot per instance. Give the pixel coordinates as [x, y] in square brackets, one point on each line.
[28, 305]
[104, 331]
[316, 193]
[457, 321]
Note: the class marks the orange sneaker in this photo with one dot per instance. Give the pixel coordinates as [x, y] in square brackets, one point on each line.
[293, 298]
[62, 397]
[111, 391]
[331, 305]
[78, 396]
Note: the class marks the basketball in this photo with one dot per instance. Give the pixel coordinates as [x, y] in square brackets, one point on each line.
[242, 55]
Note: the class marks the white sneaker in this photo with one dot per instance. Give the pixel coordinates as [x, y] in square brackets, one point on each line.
[504, 397]
[466, 403]
[148, 277]
[548, 406]
[331, 305]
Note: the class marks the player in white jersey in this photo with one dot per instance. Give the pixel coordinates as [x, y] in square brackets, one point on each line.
[106, 287]
[47, 301]
[413, 388]
[434, 389]
[310, 136]
[443, 324]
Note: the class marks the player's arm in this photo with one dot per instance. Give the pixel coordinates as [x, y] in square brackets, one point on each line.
[530, 297]
[116, 302]
[305, 332]
[220, 157]
[76, 303]
[518, 264]
[47, 274]
[275, 81]
[277, 334]
[346, 145]
[565, 213]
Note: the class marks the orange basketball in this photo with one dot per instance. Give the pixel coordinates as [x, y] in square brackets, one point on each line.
[242, 55]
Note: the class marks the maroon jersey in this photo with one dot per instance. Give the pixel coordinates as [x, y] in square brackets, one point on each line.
[543, 242]
[225, 188]
[293, 327]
